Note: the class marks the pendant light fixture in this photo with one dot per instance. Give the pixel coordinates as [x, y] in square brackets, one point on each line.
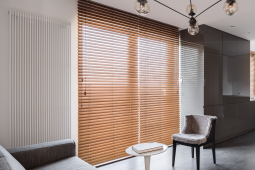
[230, 7]
[142, 7]
[193, 28]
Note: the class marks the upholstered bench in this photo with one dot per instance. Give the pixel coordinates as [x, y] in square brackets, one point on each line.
[58, 155]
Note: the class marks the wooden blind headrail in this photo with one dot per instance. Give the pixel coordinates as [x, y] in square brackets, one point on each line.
[128, 73]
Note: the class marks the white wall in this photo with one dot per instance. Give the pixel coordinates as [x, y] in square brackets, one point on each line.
[65, 10]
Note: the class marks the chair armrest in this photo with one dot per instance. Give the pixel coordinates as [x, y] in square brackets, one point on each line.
[33, 156]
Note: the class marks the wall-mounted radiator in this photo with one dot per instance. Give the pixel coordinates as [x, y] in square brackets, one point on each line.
[40, 53]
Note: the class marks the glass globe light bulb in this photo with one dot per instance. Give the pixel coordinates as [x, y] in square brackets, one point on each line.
[193, 30]
[142, 7]
[193, 22]
[190, 8]
[230, 7]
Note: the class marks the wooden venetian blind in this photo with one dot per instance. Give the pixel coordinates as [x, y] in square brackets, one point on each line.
[128, 81]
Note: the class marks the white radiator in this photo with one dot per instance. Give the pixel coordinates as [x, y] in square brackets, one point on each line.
[40, 53]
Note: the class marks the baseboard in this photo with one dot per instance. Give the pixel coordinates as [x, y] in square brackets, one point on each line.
[229, 137]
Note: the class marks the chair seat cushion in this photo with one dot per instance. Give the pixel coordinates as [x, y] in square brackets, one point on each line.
[72, 163]
[189, 138]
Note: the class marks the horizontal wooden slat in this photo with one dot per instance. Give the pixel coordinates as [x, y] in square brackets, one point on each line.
[128, 73]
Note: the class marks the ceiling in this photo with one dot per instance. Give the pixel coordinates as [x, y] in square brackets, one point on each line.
[214, 17]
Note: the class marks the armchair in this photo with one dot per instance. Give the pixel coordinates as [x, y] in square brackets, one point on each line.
[198, 131]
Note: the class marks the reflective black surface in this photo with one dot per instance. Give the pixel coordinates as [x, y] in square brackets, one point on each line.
[213, 79]
[227, 81]
[212, 40]
[243, 77]
[244, 121]
[216, 111]
[230, 121]
[252, 113]
[230, 76]
[230, 44]
[243, 47]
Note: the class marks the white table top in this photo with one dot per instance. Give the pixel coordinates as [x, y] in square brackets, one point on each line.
[131, 152]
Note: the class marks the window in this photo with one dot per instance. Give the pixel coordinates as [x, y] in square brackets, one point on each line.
[191, 75]
[128, 82]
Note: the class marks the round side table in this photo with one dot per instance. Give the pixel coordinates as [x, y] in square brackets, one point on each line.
[147, 156]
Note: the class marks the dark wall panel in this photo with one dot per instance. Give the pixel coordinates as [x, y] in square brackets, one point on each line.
[213, 79]
[230, 122]
[243, 76]
[252, 113]
[227, 80]
[216, 111]
[229, 45]
[244, 122]
[212, 40]
[243, 47]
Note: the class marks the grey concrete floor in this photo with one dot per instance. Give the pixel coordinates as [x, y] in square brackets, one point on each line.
[235, 154]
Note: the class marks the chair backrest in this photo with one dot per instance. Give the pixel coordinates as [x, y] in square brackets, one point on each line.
[211, 137]
[199, 124]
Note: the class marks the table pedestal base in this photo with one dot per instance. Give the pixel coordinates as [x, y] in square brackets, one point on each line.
[147, 162]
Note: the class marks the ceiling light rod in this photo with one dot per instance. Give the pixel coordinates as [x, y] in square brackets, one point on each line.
[230, 7]
[208, 8]
[171, 8]
[190, 5]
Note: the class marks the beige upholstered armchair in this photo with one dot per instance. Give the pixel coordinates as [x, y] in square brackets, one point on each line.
[198, 131]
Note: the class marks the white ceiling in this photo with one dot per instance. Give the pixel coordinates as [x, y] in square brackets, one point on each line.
[214, 17]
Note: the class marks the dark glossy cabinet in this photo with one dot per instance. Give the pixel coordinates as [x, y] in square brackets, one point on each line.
[213, 79]
[212, 40]
[243, 99]
[230, 121]
[243, 47]
[216, 111]
[230, 78]
[252, 113]
[244, 122]
[230, 99]
[236, 77]
[243, 75]
[227, 75]
[226, 81]
[230, 44]
[232, 118]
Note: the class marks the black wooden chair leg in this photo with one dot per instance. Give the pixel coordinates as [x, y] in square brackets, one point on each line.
[213, 152]
[174, 153]
[192, 152]
[198, 157]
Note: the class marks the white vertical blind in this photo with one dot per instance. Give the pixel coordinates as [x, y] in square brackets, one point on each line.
[39, 79]
[191, 76]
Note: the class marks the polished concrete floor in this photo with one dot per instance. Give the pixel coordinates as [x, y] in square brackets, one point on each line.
[235, 154]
